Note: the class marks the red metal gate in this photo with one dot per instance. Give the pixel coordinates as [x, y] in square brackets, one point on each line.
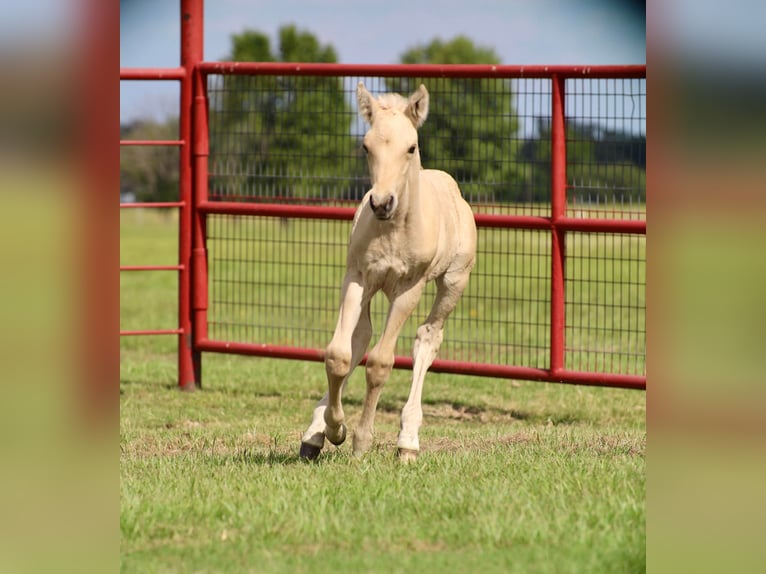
[191, 18]
[551, 159]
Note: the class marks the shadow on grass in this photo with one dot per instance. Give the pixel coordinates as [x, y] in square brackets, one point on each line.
[395, 406]
[462, 411]
[279, 458]
[269, 458]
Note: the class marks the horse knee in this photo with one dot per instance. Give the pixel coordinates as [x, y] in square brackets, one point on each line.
[428, 337]
[337, 361]
[378, 368]
[429, 334]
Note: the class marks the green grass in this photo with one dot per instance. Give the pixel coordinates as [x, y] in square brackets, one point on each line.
[512, 477]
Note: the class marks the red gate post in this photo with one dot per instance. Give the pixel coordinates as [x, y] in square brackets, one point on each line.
[200, 151]
[558, 210]
[191, 55]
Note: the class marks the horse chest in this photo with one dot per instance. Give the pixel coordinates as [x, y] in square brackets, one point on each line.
[384, 265]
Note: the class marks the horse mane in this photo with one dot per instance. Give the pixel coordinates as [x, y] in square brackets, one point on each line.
[393, 102]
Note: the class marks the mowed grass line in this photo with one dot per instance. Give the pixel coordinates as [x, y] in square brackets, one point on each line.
[513, 476]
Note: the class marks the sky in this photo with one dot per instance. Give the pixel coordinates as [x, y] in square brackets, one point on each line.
[524, 32]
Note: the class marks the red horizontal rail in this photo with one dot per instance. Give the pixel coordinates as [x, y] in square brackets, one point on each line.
[564, 223]
[151, 267]
[162, 204]
[438, 366]
[152, 332]
[276, 210]
[482, 219]
[153, 142]
[420, 70]
[602, 225]
[152, 73]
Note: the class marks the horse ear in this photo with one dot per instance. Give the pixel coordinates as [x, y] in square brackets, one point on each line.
[367, 104]
[417, 107]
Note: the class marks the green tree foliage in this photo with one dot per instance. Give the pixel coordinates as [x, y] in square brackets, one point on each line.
[471, 123]
[268, 133]
[150, 172]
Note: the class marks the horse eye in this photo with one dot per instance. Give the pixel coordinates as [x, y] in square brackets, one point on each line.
[411, 150]
[364, 148]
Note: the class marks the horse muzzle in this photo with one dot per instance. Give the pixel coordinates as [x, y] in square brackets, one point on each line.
[385, 208]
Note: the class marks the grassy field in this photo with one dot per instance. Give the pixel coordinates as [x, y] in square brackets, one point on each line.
[513, 477]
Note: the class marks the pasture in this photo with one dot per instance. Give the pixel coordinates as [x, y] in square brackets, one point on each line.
[513, 476]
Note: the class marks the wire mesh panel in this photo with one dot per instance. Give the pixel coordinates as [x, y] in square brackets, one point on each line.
[506, 307]
[295, 140]
[277, 281]
[606, 148]
[298, 139]
[274, 280]
[283, 139]
[606, 305]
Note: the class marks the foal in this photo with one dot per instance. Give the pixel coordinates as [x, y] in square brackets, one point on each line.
[412, 227]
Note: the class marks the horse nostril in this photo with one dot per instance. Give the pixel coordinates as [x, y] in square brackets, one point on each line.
[384, 209]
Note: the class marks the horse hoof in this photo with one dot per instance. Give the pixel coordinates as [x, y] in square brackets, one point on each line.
[407, 455]
[338, 439]
[309, 451]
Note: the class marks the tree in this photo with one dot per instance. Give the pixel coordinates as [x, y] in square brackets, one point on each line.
[269, 132]
[471, 122]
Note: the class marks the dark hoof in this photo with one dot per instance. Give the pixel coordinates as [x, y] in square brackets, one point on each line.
[309, 451]
[407, 455]
[341, 436]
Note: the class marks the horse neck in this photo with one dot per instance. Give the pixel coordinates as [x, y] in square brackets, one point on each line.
[414, 201]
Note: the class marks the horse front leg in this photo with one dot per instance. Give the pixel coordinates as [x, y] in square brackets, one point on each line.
[427, 342]
[342, 355]
[380, 361]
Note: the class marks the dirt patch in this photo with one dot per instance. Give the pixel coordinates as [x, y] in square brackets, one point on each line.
[475, 444]
[470, 413]
[455, 411]
[616, 445]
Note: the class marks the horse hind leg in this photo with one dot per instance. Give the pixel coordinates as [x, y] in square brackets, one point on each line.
[427, 343]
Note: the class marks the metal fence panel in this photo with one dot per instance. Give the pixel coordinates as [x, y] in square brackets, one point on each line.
[286, 147]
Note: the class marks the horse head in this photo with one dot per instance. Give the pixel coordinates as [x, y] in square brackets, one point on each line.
[391, 145]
